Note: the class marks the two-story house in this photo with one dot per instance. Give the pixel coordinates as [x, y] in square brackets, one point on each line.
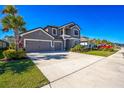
[51, 38]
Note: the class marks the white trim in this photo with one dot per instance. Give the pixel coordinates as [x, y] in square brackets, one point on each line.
[52, 44]
[57, 41]
[55, 30]
[75, 38]
[71, 38]
[36, 40]
[37, 30]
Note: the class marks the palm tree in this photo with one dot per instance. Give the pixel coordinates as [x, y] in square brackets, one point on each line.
[14, 22]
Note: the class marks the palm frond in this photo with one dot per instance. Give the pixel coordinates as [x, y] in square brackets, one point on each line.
[20, 21]
[22, 30]
[10, 9]
[7, 22]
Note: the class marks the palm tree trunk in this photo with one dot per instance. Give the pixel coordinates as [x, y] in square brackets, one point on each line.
[16, 39]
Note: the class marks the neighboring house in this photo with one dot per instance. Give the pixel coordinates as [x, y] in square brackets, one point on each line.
[84, 41]
[88, 43]
[9, 39]
[3, 44]
[51, 38]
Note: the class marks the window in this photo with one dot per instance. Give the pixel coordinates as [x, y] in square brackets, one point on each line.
[54, 31]
[76, 32]
[61, 31]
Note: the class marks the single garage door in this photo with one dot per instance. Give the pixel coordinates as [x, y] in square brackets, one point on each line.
[58, 46]
[37, 46]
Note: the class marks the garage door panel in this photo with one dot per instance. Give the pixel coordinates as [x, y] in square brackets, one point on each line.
[58, 46]
[37, 46]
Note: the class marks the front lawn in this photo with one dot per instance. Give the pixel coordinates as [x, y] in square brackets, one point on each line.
[100, 53]
[21, 74]
[1, 54]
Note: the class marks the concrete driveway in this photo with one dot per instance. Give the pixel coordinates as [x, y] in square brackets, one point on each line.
[106, 73]
[58, 65]
[78, 70]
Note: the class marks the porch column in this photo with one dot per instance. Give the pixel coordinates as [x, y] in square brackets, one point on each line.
[63, 32]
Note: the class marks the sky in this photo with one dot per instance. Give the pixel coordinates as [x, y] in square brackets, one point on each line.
[100, 22]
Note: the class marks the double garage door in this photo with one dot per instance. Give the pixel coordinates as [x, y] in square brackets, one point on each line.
[37, 46]
[41, 46]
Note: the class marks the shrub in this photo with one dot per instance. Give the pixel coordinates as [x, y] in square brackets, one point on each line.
[86, 49]
[110, 49]
[77, 48]
[21, 54]
[10, 54]
[13, 54]
[107, 49]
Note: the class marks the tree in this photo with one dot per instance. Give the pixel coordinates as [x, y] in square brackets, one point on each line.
[13, 22]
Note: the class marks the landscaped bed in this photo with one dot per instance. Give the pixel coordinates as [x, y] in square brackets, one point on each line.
[100, 53]
[21, 74]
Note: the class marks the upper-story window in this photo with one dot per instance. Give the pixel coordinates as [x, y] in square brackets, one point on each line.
[76, 32]
[61, 31]
[54, 31]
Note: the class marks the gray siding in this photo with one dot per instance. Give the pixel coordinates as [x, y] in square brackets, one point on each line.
[72, 32]
[37, 35]
[50, 31]
[46, 46]
[68, 32]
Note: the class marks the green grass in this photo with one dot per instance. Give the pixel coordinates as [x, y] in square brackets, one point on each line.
[21, 74]
[1, 54]
[100, 53]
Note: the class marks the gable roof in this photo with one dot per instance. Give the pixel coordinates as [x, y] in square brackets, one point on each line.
[36, 29]
[71, 24]
[51, 26]
[84, 39]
